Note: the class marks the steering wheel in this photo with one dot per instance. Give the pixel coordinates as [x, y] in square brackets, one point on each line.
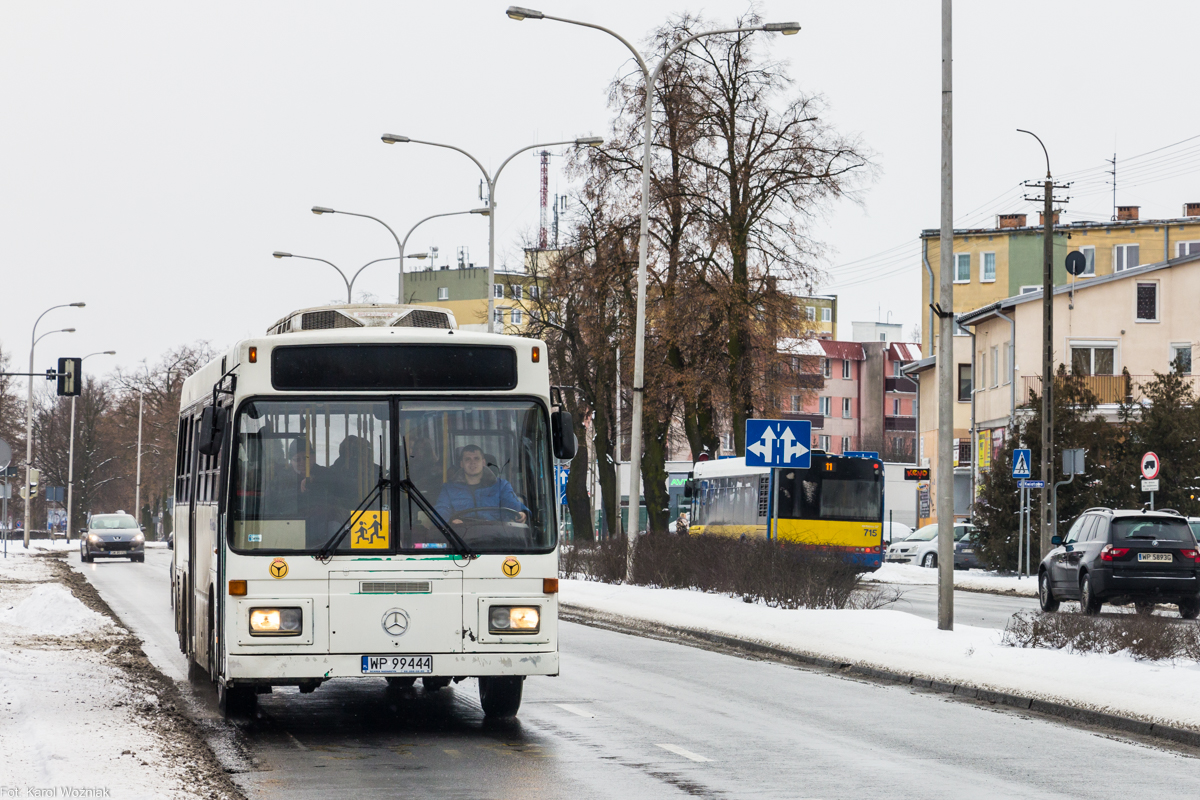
[478, 511]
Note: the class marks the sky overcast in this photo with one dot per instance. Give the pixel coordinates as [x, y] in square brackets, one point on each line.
[155, 154]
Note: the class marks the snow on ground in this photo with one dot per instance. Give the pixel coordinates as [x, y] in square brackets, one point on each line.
[975, 580]
[73, 712]
[904, 643]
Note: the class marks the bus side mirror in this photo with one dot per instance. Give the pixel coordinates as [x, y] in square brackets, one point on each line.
[562, 431]
[212, 426]
[687, 488]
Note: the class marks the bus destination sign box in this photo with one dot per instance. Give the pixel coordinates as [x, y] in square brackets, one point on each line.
[778, 443]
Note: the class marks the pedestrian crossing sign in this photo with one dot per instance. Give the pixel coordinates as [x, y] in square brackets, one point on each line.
[369, 530]
[1021, 463]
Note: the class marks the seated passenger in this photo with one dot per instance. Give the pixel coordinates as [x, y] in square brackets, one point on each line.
[476, 487]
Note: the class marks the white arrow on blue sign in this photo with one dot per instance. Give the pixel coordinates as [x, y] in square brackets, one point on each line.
[561, 474]
[778, 443]
[1022, 463]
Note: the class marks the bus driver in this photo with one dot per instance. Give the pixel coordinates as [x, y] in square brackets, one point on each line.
[477, 488]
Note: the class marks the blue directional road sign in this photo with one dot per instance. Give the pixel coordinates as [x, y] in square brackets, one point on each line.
[1031, 484]
[861, 454]
[560, 478]
[778, 443]
[1022, 463]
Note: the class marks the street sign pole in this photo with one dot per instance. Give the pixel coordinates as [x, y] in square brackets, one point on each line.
[773, 533]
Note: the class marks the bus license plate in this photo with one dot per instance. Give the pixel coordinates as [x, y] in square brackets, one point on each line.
[1155, 557]
[397, 665]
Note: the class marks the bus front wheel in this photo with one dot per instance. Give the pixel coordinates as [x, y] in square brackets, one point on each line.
[236, 702]
[500, 695]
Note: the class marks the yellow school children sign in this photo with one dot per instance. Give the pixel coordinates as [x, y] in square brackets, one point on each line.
[369, 530]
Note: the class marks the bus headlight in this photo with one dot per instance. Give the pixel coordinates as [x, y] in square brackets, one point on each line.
[513, 619]
[276, 622]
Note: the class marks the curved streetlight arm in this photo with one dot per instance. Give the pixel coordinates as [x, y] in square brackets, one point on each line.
[99, 353]
[641, 62]
[487, 177]
[47, 333]
[404, 243]
[1044, 150]
[369, 263]
[504, 163]
[33, 336]
[377, 219]
[330, 263]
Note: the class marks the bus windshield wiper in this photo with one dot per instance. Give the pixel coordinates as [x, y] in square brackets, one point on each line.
[423, 503]
[329, 547]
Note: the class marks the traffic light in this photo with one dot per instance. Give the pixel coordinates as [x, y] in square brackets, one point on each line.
[70, 377]
[35, 475]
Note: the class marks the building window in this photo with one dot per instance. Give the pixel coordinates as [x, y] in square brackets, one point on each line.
[443, 293]
[962, 267]
[1186, 248]
[727, 442]
[826, 406]
[500, 315]
[883, 337]
[823, 443]
[1030, 289]
[827, 313]
[845, 444]
[959, 330]
[846, 368]
[995, 367]
[846, 408]
[1007, 376]
[1147, 302]
[810, 313]
[964, 383]
[827, 368]
[987, 268]
[1088, 360]
[517, 316]
[897, 367]
[797, 405]
[1181, 358]
[896, 406]
[1125, 256]
[534, 292]
[497, 290]
[516, 291]
[1089, 257]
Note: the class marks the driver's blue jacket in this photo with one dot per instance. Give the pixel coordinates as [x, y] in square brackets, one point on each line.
[490, 492]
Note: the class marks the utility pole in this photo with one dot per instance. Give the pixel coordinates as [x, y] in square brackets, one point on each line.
[1047, 186]
[945, 355]
[137, 492]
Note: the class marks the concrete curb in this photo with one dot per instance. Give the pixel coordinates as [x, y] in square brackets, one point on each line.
[1063, 711]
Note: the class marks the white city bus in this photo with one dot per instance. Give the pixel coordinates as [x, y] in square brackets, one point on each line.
[367, 491]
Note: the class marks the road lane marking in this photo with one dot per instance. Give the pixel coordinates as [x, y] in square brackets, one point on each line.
[298, 743]
[453, 753]
[576, 710]
[679, 751]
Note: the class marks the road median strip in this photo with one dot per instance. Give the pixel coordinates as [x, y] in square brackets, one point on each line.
[1064, 711]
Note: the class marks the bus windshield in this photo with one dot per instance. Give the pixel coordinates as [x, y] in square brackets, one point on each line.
[307, 469]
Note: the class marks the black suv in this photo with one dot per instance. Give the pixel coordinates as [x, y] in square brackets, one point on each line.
[1110, 556]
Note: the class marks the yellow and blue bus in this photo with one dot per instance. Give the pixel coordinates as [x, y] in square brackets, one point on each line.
[836, 504]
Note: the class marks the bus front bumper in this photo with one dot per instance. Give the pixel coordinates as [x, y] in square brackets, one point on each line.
[283, 668]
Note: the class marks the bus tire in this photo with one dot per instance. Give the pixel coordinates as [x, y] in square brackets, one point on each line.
[236, 702]
[500, 695]
[929, 561]
[433, 684]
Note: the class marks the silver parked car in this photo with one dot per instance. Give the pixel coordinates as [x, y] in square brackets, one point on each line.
[112, 536]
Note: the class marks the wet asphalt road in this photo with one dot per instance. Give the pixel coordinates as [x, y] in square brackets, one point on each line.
[639, 718]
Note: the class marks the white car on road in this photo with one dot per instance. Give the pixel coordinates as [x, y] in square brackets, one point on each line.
[921, 548]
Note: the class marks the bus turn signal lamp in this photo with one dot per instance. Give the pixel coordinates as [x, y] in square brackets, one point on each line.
[275, 622]
[549, 585]
[253, 355]
[513, 619]
[537, 354]
[237, 588]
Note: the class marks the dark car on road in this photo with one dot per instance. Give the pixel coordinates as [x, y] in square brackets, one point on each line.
[1116, 556]
[112, 536]
[966, 552]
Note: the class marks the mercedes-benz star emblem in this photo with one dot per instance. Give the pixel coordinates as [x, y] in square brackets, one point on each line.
[395, 621]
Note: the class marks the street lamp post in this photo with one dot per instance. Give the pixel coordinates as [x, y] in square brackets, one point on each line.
[71, 447]
[319, 210]
[33, 340]
[487, 212]
[639, 355]
[349, 283]
[491, 180]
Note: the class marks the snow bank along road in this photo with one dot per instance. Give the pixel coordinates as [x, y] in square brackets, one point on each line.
[632, 717]
[82, 713]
